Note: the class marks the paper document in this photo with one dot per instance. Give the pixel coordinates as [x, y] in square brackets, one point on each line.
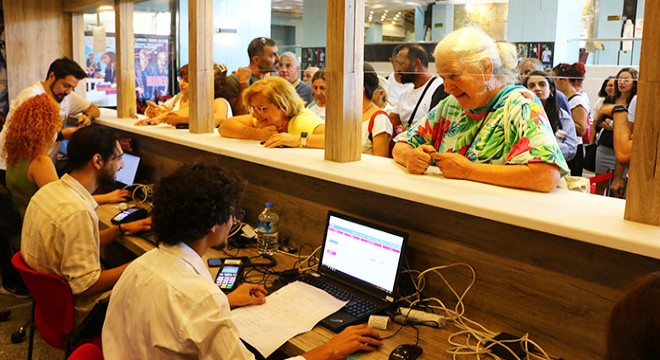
[291, 310]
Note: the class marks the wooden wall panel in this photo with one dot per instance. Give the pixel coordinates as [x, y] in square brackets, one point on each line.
[126, 104]
[37, 32]
[643, 197]
[558, 290]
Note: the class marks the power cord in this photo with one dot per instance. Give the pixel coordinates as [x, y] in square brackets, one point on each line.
[141, 192]
[477, 339]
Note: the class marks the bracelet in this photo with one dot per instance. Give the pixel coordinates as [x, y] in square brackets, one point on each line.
[121, 231]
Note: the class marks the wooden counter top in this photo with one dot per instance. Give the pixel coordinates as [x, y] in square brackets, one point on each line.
[593, 219]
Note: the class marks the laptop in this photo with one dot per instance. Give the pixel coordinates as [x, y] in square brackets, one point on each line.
[126, 175]
[359, 260]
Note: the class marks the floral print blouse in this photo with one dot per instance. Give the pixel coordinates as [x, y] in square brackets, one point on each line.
[511, 129]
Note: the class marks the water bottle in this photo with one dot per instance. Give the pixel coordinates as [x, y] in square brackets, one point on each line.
[268, 230]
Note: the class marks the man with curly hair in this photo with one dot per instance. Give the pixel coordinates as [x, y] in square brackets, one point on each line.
[61, 79]
[167, 297]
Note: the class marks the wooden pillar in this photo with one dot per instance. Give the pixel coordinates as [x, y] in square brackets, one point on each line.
[125, 55]
[200, 66]
[345, 58]
[643, 197]
[78, 48]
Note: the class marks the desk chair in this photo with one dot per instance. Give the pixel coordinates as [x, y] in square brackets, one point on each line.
[87, 352]
[52, 309]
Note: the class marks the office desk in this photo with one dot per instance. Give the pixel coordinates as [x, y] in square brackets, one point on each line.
[433, 341]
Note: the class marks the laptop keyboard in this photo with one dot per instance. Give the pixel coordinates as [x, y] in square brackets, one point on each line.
[356, 306]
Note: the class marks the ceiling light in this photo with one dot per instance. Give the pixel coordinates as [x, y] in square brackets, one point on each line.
[103, 8]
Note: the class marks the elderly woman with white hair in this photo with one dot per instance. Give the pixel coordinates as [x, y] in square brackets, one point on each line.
[487, 130]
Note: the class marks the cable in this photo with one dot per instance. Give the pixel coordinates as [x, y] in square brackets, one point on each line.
[145, 190]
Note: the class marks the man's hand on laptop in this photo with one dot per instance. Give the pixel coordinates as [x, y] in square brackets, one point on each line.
[115, 196]
[247, 294]
[352, 339]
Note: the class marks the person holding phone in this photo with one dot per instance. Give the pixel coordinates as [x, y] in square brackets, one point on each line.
[172, 279]
[176, 110]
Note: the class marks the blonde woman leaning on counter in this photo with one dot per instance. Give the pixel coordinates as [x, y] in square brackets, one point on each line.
[277, 116]
[487, 130]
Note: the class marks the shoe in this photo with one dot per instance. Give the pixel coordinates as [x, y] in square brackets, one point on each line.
[19, 293]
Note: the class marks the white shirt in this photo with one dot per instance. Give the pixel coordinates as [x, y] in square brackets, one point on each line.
[579, 100]
[395, 89]
[72, 104]
[381, 124]
[166, 306]
[408, 101]
[631, 110]
[61, 237]
[316, 109]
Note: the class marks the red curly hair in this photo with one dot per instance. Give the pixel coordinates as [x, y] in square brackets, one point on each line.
[32, 128]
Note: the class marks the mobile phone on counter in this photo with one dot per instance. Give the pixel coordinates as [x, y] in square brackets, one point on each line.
[229, 275]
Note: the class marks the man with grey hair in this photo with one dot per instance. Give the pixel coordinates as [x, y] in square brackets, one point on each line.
[290, 71]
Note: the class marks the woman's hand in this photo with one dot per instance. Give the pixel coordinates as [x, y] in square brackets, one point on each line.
[153, 111]
[452, 165]
[247, 294]
[420, 159]
[282, 139]
[148, 121]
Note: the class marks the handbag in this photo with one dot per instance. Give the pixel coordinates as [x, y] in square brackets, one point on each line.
[589, 162]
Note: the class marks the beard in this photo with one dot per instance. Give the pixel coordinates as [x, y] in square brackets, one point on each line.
[57, 97]
[407, 77]
[108, 176]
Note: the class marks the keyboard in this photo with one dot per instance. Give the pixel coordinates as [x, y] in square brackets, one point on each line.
[356, 306]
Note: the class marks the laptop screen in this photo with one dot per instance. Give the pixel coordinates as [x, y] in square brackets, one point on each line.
[126, 175]
[366, 254]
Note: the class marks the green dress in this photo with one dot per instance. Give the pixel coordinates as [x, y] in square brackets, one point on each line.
[21, 188]
[512, 129]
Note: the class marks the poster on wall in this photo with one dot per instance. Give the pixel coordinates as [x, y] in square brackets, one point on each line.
[152, 78]
[543, 51]
[313, 56]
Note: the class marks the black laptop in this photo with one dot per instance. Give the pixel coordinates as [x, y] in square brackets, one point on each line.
[360, 262]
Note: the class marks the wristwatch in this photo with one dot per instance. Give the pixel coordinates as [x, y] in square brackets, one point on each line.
[303, 139]
[618, 108]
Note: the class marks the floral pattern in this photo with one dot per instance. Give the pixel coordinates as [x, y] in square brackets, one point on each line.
[511, 129]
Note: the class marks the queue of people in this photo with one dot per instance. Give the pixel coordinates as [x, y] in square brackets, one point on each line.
[473, 122]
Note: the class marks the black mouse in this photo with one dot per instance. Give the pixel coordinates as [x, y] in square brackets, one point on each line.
[406, 352]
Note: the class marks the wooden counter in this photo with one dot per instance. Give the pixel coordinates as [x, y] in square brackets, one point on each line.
[550, 265]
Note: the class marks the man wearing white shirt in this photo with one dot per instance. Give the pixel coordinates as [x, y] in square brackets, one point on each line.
[62, 77]
[412, 64]
[172, 279]
[394, 80]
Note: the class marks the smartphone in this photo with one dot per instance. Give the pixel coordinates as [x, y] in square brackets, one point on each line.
[229, 275]
[215, 262]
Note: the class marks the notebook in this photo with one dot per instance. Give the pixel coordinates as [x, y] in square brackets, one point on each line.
[359, 260]
[126, 175]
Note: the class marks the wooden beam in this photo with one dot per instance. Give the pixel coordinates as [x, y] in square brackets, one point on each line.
[84, 6]
[200, 66]
[345, 58]
[125, 55]
[78, 49]
[643, 194]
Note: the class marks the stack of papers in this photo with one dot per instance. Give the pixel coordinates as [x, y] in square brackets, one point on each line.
[294, 309]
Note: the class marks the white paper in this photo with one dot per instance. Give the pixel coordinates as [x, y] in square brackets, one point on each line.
[291, 310]
[98, 33]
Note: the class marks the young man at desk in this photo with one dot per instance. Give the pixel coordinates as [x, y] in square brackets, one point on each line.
[166, 305]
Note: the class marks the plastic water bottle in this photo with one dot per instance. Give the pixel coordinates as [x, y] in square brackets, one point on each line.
[268, 230]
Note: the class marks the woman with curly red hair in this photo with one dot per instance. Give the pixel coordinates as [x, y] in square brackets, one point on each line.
[31, 133]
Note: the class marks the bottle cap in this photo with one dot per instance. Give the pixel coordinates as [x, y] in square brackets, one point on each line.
[269, 204]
